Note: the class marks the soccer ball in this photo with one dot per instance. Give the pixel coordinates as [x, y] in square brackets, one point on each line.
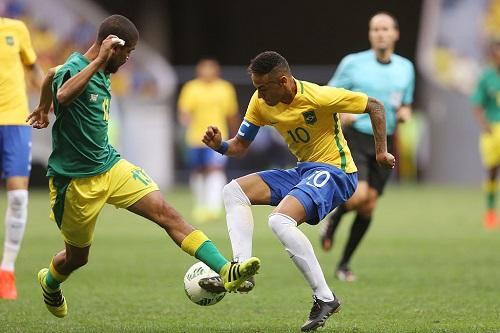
[194, 292]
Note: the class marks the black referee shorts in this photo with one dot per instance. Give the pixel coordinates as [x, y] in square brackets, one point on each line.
[362, 148]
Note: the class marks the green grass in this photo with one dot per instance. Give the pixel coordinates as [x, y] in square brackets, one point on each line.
[426, 266]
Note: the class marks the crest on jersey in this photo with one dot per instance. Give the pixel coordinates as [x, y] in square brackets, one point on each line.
[310, 117]
[9, 40]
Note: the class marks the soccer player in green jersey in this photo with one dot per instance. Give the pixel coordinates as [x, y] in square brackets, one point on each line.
[85, 171]
[486, 101]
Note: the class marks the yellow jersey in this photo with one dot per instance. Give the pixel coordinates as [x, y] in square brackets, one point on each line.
[310, 125]
[15, 51]
[207, 103]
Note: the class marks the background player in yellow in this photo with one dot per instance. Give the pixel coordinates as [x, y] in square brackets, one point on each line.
[16, 55]
[307, 117]
[86, 172]
[207, 100]
[486, 101]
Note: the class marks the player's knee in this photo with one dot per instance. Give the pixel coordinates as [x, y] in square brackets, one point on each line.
[367, 208]
[75, 262]
[358, 199]
[279, 222]
[18, 202]
[232, 194]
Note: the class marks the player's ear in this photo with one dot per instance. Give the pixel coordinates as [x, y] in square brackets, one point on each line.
[284, 80]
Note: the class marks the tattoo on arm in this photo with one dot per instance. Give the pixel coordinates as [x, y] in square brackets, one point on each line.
[376, 111]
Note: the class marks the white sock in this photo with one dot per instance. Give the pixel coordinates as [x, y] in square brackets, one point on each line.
[214, 184]
[15, 223]
[300, 250]
[239, 220]
[196, 182]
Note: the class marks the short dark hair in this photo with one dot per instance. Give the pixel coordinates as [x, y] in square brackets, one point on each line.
[268, 61]
[382, 12]
[119, 26]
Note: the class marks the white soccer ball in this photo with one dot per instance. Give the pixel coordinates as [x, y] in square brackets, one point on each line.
[194, 292]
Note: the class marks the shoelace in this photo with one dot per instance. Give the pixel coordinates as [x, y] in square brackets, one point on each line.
[316, 308]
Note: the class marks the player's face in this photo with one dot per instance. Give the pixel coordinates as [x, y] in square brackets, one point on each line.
[382, 33]
[207, 70]
[271, 89]
[120, 57]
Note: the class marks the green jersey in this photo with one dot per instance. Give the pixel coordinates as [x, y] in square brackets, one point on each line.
[487, 94]
[80, 145]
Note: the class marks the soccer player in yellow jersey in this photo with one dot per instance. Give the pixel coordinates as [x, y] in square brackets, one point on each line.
[204, 101]
[307, 117]
[85, 172]
[16, 55]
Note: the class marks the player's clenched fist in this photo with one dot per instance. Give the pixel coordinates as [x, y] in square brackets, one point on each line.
[212, 137]
[386, 160]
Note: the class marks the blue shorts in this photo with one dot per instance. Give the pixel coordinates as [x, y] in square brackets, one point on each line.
[319, 187]
[204, 157]
[15, 150]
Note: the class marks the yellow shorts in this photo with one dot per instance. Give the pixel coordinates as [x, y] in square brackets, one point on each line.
[489, 145]
[76, 202]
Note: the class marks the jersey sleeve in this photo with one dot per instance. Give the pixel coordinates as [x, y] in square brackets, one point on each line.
[342, 76]
[28, 55]
[63, 73]
[478, 98]
[253, 114]
[340, 100]
[185, 102]
[408, 92]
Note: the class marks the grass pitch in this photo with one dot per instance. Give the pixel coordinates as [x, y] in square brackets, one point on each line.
[426, 265]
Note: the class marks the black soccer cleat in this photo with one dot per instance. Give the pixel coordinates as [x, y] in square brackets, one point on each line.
[216, 285]
[320, 312]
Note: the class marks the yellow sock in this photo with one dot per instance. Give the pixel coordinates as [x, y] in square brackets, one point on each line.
[198, 245]
[193, 241]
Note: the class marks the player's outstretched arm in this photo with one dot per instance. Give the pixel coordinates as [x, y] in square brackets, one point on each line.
[234, 147]
[72, 88]
[39, 118]
[376, 111]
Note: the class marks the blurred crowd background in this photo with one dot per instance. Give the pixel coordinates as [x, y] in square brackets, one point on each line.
[446, 39]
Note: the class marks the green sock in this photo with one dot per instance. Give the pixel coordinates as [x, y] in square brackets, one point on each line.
[491, 200]
[51, 282]
[210, 255]
[53, 279]
[491, 194]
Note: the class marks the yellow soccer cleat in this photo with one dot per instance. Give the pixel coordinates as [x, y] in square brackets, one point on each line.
[54, 299]
[235, 274]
